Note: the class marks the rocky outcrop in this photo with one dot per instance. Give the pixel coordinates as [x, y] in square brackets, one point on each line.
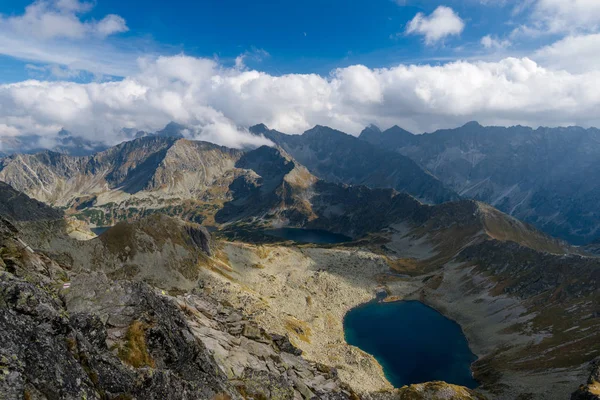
[19, 207]
[591, 390]
[430, 391]
[70, 335]
[65, 339]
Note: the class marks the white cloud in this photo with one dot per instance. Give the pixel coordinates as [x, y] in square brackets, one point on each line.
[52, 19]
[558, 16]
[574, 53]
[215, 101]
[490, 42]
[74, 6]
[53, 32]
[110, 25]
[253, 54]
[441, 23]
[6, 130]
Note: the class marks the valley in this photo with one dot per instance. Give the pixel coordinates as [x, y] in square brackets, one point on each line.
[315, 200]
[526, 302]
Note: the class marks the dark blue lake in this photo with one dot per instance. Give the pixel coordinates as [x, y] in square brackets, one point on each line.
[99, 230]
[307, 235]
[413, 342]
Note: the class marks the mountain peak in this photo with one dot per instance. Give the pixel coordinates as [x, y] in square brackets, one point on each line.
[395, 135]
[172, 129]
[472, 124]
[322, 129]
[396, 130]
[370, 130]
[258, 129]
[373, 127]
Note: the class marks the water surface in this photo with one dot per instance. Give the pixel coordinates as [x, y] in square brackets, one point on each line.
[413, 342]
[99, 230]
[307, 235]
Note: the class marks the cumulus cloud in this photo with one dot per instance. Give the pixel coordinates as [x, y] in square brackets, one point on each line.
[579, 53]
[110, 25]
[558, 16]
[490, 42]
[441, 23]
[253, 54]
[217, 102]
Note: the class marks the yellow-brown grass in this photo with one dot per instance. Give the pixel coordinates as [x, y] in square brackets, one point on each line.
[135, 352]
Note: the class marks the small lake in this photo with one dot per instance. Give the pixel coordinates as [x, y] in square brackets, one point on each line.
[413, 342]
[307, 235]
[99, 230]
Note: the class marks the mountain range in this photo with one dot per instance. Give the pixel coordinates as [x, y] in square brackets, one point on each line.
[527, 302]
[545, 176]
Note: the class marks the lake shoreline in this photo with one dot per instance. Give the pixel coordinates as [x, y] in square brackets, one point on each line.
[425, 322]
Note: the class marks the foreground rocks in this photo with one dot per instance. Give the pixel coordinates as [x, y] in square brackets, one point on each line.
[591, 390]
[85, 336]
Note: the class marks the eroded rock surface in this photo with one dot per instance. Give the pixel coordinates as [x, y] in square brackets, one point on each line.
[70, 335]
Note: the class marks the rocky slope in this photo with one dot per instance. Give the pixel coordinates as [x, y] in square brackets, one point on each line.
[176, 176]
[527, 302]
[19, 207]
[591, 390]
[90, 320]
[70, 332]
[544, 176]
[340, 158]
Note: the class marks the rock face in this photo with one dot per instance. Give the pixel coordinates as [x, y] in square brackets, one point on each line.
[71, 335]
[544, 176]
[75, 343]
[340, 158]
[154, 163]
[19, 207]
[430, 391]
[591, 390]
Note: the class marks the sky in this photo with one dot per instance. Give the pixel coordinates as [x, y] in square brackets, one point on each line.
[96, 67]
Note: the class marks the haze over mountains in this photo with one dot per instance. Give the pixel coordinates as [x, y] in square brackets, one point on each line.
[545, 176]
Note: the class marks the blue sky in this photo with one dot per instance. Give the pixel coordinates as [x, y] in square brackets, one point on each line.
[290, 37]
[95, 67]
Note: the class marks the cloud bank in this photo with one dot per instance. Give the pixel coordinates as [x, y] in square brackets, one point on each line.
[217, 102]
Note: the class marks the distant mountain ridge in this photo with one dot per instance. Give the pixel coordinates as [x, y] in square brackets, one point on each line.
[545, 176]
[341, 158]
[204, 182]
[65, 142]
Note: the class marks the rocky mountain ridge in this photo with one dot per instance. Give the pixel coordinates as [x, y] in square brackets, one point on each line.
[544, 176]
[340, 158]
[75, 331]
